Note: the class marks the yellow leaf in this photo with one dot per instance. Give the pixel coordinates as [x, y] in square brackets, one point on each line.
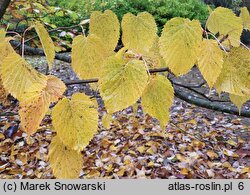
[141, 149]
[230, 153]
[232, 142]
[244, 14]
[47, 43]
[122, 83]
[133, 153]
[225, 22]
[212, 154]
[88, 55]
[210, 61]
[121, 172]
[151, 164]
[75, 121]
[239, 100]
[34, 104]
[245, 170]
[138, 32]
[158, 98]
[184, 171]
[153, 57]
[93, 174]
[179, 44]
[210, 10]
[5, 50]
[65, 162]
[106, 26]
[2, 34]
[234, 77]
[17, 75]
[150, 151]
[3, 94]
[106, 121]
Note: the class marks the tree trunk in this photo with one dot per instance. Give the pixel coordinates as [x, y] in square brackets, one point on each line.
[3, 6]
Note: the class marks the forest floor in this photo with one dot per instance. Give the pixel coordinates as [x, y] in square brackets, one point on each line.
[198, 143]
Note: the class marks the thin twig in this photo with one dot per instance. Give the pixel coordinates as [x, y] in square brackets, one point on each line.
[224, 49]
[23, 39]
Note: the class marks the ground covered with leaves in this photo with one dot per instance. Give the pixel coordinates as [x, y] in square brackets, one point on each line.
[198, 143]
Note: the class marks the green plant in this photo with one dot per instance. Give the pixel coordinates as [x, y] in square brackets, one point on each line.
[162, 10]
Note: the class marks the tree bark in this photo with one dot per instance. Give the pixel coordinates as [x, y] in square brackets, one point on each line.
[3, 6]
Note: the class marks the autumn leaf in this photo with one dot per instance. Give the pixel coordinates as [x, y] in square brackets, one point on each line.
[210, 61]
[35, 103]
[5, 50]
[225, 22]
[234, 77]
[88, 56]
[75, 121]
[106, 121]
[157, 98]
[244, 14]
[47, 43]
[17, 75]
[138, 32]
[239, 100]
[65, 162]
[179, 44]
[107, 27]
[122, 83]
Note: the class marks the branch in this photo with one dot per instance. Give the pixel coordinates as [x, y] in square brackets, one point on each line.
[212, 105]
[4, 4]
[217, 106]
[38, 51]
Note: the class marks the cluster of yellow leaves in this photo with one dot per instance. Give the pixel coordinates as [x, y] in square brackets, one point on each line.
[34, 90]
[75, 122]
[34, 102]
[124, 77]
[225, 22]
